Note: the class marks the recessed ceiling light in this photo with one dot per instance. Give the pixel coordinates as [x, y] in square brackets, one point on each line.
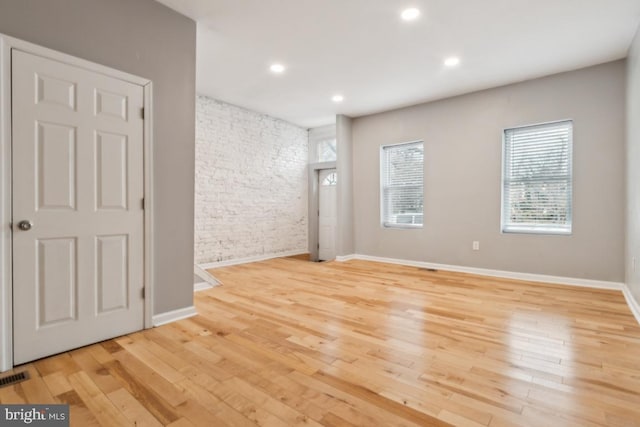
[410, 14]
[337, 98]
[452, 61]
[277, 68]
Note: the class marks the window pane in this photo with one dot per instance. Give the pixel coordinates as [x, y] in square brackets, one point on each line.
[327, 150]
[402, 185]
[331, 179]
[537, 183]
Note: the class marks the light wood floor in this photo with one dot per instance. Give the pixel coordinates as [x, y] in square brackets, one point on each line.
[288, 342]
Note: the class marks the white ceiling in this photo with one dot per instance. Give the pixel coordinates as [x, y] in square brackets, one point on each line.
[363, 50]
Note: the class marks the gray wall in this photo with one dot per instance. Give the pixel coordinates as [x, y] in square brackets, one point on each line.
[463, 152]
[141, 37]
[633, 168]
[344, 142]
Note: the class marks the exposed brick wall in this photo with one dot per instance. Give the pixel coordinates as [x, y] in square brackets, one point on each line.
[251, 184]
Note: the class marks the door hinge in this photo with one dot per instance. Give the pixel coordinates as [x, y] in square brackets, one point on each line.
[142, 113]
[318, 245]
[143, 293]
[143, 203]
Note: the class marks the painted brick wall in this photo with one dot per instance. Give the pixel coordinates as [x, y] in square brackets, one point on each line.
[251, 184]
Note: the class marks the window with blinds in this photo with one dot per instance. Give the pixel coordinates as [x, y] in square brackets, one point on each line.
[402, 176]
[537, 179]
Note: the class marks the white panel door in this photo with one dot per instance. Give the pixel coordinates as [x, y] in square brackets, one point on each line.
[327, 214]
[77, 207]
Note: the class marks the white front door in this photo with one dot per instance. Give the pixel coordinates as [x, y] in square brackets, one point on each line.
[327, 214]
[77, 207]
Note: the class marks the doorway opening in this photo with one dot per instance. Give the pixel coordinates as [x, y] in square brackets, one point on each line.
[327, 214]
[323, 197]
[76, 190]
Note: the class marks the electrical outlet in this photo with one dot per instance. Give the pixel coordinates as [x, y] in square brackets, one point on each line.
[476, 245]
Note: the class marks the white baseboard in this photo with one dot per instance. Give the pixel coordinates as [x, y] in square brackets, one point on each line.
[202, 286]
[632, 302]
[208, 281]
[172, 316]
[634, 306]
[247, 260]
[543, 278]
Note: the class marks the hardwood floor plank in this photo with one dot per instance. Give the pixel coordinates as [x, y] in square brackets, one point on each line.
[12, 395]
[332, 420]
[400, 410]
[100, 406]
[57, 383]
[198, 390]
[79, 414]
[132, 409]
[154, 380]
[58, 363]
[182, 422]
[155, 404]
[35, 390]
[286, 342]
[198, 414]
[97, 372]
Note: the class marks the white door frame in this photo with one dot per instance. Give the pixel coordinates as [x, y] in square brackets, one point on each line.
[335, 201]
[314, 204]
[6, 282]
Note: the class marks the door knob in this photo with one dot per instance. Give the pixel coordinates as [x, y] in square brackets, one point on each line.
[25, 225]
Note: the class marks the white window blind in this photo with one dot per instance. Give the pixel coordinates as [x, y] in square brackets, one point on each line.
[537, 179]
[402, 173]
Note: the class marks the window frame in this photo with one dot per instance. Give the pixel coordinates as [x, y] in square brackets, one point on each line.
[381, 170]
[319, 149]
[316, 137]
[543, 229]
[331, 180]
